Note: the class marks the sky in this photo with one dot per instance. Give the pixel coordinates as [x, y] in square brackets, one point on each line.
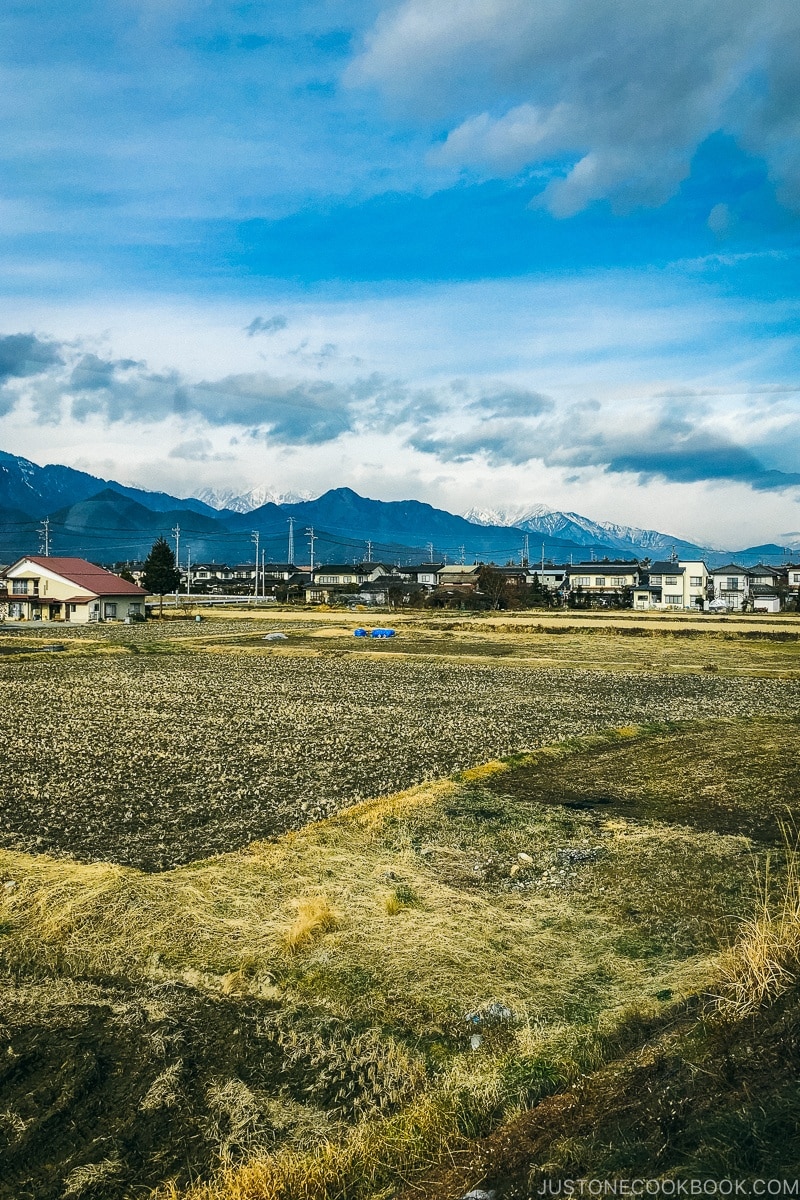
[482, 253]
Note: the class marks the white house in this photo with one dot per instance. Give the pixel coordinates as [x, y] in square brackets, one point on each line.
[731, 585]
[69, 589]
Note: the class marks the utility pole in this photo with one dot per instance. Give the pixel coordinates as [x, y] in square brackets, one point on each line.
[188, 571]
[255, 537]
[176, 533]
[312, 537]
[461, 558]
[263, 573]
[542, 555]
[525, 551]
[290, 559]
[369, 551]
[430, 551]
[44, 535]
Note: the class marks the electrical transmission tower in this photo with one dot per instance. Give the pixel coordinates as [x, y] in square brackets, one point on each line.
[290, 559]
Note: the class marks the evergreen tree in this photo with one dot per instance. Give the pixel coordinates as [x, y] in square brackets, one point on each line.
[160, 573]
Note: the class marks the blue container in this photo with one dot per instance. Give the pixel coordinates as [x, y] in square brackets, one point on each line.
[382, 633]
[360, 633]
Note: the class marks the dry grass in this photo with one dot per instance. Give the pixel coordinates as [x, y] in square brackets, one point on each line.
[765, 961]
[375, 920]
[315, 915]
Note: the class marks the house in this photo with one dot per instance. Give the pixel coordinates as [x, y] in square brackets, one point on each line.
[731, 585]
[425, 574]
[331, 580]
[459, 576]
[646, 595]
[345, 574]
[681, 584]
[603, 582]
[551, 578]
[768, 586]
[70, 589]
[792, 582]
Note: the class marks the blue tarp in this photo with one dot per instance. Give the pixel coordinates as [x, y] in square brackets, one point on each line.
[382, 633]
[360, 633]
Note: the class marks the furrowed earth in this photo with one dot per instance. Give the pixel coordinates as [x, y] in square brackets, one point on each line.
[318, 919]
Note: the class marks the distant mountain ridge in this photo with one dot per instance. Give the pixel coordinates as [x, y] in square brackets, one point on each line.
[106, 521]
[541, 519]
[243, 502]
[39, 491]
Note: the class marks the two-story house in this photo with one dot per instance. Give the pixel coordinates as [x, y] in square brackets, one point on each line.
[731, 585]
[70, 589]
[603, 582]
[459, 576]
[767, 586]
[425, 574]
[681, 584]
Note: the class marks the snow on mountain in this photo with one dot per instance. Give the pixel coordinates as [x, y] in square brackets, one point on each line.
[516, 515]
[541, 519]
[244, 502]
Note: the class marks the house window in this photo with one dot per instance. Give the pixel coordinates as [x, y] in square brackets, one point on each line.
[673, 599]
[732, 583]
[671, 580]
[695, 581]
[134, 609]
[109, 610]
[655, 579]
[582, 581]
[796, 579]
[600, 581]
[19, 587]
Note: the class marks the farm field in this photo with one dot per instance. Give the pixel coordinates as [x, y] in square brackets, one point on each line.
[155, 759]
[319, 920]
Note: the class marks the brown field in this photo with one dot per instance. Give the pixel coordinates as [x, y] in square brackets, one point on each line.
[564, 856]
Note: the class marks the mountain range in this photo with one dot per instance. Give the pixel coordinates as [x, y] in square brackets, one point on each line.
[108, 522]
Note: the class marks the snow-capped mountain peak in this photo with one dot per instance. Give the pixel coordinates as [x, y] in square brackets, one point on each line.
[244, 502]
[542, 520]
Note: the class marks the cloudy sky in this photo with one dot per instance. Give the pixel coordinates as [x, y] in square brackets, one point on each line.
[476, 252]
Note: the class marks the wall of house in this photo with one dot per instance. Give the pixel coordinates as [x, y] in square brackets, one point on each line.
[21, 608]
[693, 569]
[48, 589]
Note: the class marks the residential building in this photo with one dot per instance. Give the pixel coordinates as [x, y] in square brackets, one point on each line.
[551, 578]
[426, 574]
[457, 575]
[680, 584]
[792, 584]
[602, 582]
[70, 589]
[731, 585]
[768, 587]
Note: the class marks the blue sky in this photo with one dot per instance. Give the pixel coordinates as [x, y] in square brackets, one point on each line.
[480, 253]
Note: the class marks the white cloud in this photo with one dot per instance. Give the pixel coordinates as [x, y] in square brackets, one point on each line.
[524, 391]
[611, 97]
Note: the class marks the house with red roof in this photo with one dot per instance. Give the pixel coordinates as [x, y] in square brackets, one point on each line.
[43, 588]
